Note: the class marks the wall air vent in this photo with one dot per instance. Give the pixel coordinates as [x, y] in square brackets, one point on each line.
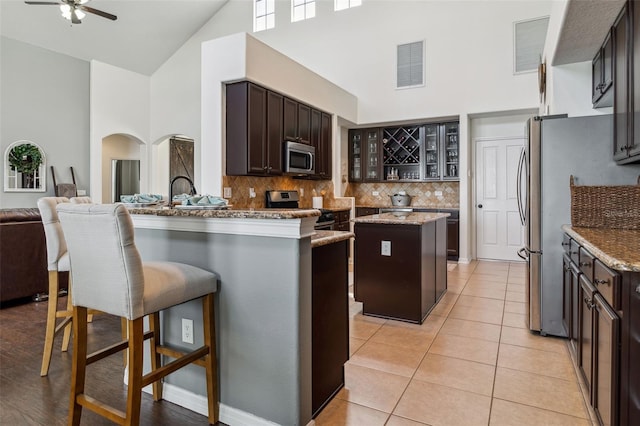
[410, 65]
[528, 43]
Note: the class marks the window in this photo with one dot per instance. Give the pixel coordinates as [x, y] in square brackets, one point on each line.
[528, 39]
[346, 4]
[264, 15]
[302, 9]
[410, 65]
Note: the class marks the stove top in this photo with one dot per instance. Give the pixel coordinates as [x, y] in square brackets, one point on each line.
[290, 199]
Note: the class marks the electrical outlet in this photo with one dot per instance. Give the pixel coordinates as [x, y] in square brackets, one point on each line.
[438, 193]
[385, 248]
[81, 192]
[226, 192]
[252, 193]
[301, 191]
[187, 330]
[375, 193]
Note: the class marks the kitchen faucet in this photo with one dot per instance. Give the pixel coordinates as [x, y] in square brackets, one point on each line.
[192, 191]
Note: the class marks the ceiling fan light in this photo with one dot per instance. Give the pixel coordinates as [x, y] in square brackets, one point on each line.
[66, 11]
[81, 1]
[79, 14]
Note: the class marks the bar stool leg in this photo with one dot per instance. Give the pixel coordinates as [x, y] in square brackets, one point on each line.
[50, 333]
[66, 337]
[211, 360]
[154, 327]
[134, 385]
[79, 366]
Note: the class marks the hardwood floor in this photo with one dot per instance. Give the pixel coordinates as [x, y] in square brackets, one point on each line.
[28, 399]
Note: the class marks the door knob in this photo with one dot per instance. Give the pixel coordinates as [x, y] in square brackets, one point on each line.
[479, 206]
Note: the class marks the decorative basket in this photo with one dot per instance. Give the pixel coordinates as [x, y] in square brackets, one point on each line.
[605, 206]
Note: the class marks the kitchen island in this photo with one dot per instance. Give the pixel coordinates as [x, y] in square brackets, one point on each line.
[263, 306]
[400, 264]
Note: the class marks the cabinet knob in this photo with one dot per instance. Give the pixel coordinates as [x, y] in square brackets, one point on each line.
[585, 263]
[566, 244]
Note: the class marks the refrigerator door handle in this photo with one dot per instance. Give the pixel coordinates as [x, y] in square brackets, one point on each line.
[519, 187]
[522, 254]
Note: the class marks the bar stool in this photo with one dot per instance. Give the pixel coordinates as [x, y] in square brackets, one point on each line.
[57, 261]
[109, 275]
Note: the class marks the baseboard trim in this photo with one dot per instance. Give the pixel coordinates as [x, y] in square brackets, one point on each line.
[464, 260]
[198, 403]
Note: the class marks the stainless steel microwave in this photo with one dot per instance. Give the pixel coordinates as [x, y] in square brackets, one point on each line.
[299, 159]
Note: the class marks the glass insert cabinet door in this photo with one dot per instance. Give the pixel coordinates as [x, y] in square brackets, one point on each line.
[432, 146]
[355, 151]
[373, 155]
[450, 151]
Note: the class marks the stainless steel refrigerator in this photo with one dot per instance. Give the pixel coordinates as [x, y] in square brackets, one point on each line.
[558, 147]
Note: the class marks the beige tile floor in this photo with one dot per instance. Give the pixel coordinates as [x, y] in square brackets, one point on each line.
[472, 362]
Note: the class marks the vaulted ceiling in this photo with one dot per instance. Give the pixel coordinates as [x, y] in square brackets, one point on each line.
[145, 35]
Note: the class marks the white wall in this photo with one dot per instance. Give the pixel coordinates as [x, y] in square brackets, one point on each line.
[45, 99]
[120, 104]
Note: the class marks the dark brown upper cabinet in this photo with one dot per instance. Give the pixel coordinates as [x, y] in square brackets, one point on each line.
[297, 121]
[626, 76]
[254, 130]
[602, 75]
[321, 141]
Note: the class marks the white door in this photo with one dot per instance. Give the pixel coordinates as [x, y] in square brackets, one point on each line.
[499, 233]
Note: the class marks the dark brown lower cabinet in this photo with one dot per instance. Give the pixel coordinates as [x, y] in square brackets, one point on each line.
[585, 347]
[570, 301]
[330, 321]
[605, 363]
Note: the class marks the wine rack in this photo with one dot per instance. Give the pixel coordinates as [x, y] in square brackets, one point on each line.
[402, 150]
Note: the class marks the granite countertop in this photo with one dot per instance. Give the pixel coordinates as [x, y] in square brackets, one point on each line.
[619, 249]
[323, 238]
[386, 206]
[227, 213]
[401, 218]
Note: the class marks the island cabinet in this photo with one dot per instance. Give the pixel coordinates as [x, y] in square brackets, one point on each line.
[604, 333]
[329, 321]
[254, 130]
[400, 259]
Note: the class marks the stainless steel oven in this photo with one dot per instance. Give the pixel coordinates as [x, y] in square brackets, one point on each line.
[290, 199]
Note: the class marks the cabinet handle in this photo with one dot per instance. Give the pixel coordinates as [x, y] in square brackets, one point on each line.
[598, 281]
[566, 244]
[585, 263]
[574, 252]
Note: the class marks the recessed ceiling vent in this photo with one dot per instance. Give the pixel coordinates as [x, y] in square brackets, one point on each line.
[529, 38]
[410, 65]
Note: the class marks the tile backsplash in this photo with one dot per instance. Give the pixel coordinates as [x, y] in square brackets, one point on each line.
[240, 189]
[423, 193]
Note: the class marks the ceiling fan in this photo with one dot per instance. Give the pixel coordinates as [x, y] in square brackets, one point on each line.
[73, 10]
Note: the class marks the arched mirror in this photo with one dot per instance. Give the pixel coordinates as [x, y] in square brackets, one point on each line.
[24, 167]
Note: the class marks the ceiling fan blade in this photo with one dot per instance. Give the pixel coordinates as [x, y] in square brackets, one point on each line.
[98, 12]
[53, 3]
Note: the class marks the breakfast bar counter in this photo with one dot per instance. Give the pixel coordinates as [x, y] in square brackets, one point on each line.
[263, 306]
